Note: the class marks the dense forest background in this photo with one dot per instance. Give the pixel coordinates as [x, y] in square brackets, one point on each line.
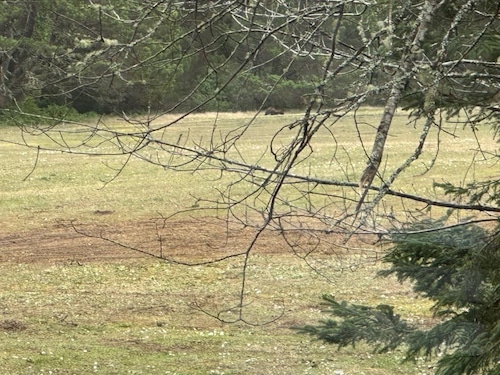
[178, 56]
[135, 56]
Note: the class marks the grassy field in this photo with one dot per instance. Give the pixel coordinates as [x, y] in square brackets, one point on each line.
[76, 305]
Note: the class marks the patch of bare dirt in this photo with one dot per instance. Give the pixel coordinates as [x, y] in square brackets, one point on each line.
[56, 243]
[11, 325]
[184, 240]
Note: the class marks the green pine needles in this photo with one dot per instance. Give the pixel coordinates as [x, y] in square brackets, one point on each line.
[458, 268]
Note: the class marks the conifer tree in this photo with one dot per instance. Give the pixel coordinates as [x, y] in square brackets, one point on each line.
[459, 270]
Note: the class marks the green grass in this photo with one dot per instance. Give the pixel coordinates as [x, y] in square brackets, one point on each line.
[142, 316]
[138, 318]
[75, 186]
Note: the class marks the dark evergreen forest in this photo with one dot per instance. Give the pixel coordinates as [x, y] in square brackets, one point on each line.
[126, 57]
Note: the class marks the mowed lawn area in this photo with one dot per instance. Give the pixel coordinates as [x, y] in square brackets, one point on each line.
[76, 304]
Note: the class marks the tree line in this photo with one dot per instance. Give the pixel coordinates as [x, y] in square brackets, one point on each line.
[133, 56]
